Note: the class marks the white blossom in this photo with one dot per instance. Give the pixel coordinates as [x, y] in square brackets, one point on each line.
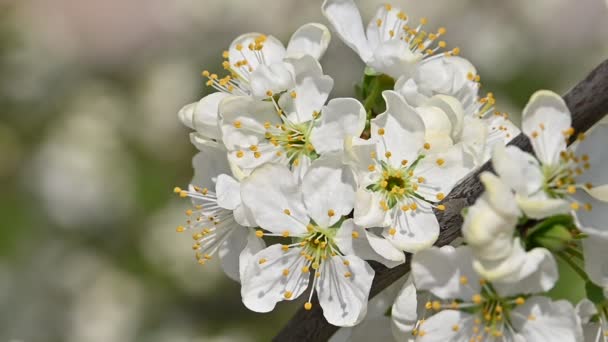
[391, 44]
[398, 184]
[461, 306]
[544, 184]
[312, 214]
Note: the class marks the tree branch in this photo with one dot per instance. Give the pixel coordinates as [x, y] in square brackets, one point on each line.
[588, 102]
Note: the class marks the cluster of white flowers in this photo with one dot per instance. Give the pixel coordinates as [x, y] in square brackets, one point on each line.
[296, 192]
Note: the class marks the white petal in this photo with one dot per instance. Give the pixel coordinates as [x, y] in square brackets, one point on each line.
[208, 164]
[273, 52]
[341, 118]
[520, 170]
[585, 310]
[228, 192]
[499, 196]
[389, 21]
[414, 230]
[547, 116]
[475, 140]
[439, 327]
[275, 199]
[394, 58]
[452, 108]
[242, 124]
[438, 126]
[441, 172]
[596, 263]
[344, 299]
[253, 246]
[230, 250]
[368, 212]
[505, 269]
[275, 77]
[353, 239]
[201, 142]
[404, 313]
[538, 274]
[403, 130]
[266, 283]
[357, 154]
[591, 221]
[345, 18]
[310, 39]
[594, 147]
[439, 270]
[541, 319]
[541, 208]
[328, 186]
[244, 216]
[203, 115]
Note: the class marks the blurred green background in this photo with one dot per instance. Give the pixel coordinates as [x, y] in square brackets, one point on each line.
[91, 148]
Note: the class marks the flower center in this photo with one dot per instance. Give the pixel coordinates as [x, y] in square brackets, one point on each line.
[294, 139]
[396, 183]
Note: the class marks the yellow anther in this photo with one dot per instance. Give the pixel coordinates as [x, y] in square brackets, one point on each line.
[441, 30]
[378, 22]
[442, 44]
[405, 207]
[225, 54]
[285, 248]
[392, 231]
[371, 167]
[205, 73]
[348, 275]
[177, 190]
[285, 272]
[285, 233]
[534, 134]
[315, 265]
[456, 51]
[180, 229]
[183, 194]
[287, 294]
[441, 207]
[498, 309]
[189, 212]
[404, 162]
[402, 16]
[257, 155]
[355, 235]
[388, 154]
[440, 161]
[388, 7]
[575, 206]
[436, 305]
[383, 184]
[421, 179]
[259, 233]
[307, 306]
[477, 299]
[455, 327]
[531, 318]
[269, 93]
[293, 94]
[520, 301]
[346, 263]
[423, 21]
[440, 196]
[587, 207]
[331, 213]
[380, 131]
[571, 189]
[237, 124]
[413, 206]
[239, 47]
[428, 305]
[427, 146]
[287, 212]
[464, 280]
[239, 154]
[581, 136]
[305, 269]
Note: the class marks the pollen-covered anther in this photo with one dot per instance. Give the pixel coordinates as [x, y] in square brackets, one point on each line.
[240, 154]
[477, 298]
[180, 229]
[371, 167]
[380, 131]
[287, 212]
[293, 94]
[440, 196]
[307, 306]
[575, 206]
[440, 207]
[285, 272]
[427, 146]
[348, 275]
[392, 232]
[269, 93]
[259, 233]
[285, 233]
[355, 235]
[404, 162]
[440, 161]
[331, 213]
[388, 154]
[520, 301]
[287, 294]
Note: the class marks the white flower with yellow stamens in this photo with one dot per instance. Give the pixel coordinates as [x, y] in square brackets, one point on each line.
[292, 131]
[453, 81]
[390, 45]
[544, 184]
[398, 183]
[218, 218]
[460, 306]
[312, 214]
[258, 64]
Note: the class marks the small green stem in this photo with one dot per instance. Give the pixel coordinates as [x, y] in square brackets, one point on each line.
[573, 265]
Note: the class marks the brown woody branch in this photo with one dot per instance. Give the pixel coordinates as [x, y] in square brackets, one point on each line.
[588, 102]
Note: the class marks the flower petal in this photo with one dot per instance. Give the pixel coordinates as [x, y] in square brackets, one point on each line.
[230, 250]
[266, 283]
[537, 274]
[310, 39]
[596, 263]
[368, 212]
[541, 319]
[538, 208]
[394, 58]
[345, 18]
[228, 192]
[275, 199]
[404, 312]
[441, 172]
[518, 169]
[273, 51]
[329, 190]
[276, 78]
[343, 290]
[544, 120]
[403, 130]
[442, 271]
[438, 128]
[208, 164]
[253, 246]
[389, 21]
[353, 239]
[593, 146]
[414, 230]
[342, 117]
[440, 327]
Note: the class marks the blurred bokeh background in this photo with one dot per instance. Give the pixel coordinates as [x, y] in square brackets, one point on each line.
[91, 148]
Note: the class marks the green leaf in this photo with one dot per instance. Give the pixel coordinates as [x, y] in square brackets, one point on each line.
[594, 293]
